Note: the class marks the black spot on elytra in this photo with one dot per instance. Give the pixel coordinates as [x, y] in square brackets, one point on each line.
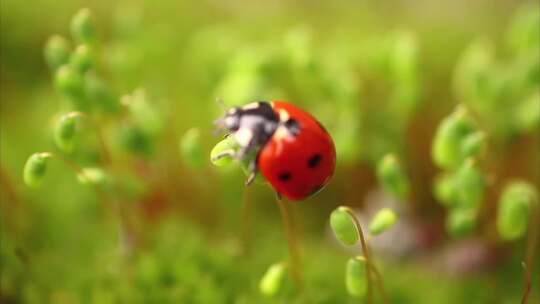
[314, 160]
[285, 176]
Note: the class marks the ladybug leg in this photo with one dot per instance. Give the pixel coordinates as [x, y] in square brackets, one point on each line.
[253, 170]
[246, 150]
[250, 178]
[278, 196]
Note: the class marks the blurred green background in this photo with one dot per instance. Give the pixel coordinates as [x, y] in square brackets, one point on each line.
[380, 75]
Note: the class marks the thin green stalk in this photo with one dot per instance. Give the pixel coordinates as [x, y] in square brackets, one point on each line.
[379, 282]
[369, 278]
[532, 243]
[372, 269]
[101, 138]
[15, 206]
[77, 169]
[126, 233]
[292, 242]
[246, 222]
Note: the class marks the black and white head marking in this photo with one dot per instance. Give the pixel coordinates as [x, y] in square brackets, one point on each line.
[253, 125]
[288, 127]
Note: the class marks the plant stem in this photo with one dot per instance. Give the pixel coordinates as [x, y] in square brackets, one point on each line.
[125, 233]
[14, 207]
[101, 138]
[532, 242]
[246, 222]
[77, 169]
[379, 282]
[369, 298]
[370, 263]
[292, 242]
[8, 187]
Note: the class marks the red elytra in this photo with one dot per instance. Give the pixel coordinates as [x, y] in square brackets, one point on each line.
[298, 166]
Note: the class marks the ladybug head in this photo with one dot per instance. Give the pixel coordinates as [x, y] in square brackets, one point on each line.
[231, 120]
[251, 125]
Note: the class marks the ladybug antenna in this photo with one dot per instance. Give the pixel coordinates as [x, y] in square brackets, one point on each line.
[221, 104]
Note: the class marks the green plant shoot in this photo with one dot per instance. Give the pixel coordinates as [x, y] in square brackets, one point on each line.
[344, 226]
[382, 221]
[355, 277]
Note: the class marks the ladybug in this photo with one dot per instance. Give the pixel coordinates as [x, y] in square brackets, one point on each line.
[291, 148]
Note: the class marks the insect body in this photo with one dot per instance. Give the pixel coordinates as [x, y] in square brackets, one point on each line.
[291, 148]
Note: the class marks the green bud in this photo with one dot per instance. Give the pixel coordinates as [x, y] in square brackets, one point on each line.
[474, 73]
[133, 139]
[344, 225]
[228, 144]
[64, 132]
[82, 26]
[191, 148]
[461, 221]
[447, 145]
[527, 112]
[272, 280]
[470, 185]
[445, 189]
[392, 177]
[35, 169]
[99, 93]
[57, 51]
[356, 277]
[524, 32]
[92, 176]
[70, 83]
[404, 61]
[82, 58]
[515, 207]
[144, 113]
[383, 220]
[473, 145]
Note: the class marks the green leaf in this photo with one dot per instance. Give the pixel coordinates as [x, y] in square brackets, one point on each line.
[474, 74]
[272, 280]
[524, 30]
[131, 138]
[145, 114]
[35, 169]
[382, 221]
[228, 144]
[461, 222]
[447, 144]
[82, 58]
[515, 206]
[70, 83]
[57, 51]
[393, 178]
[92, 176]
[473, 145]
[355, 277]
[64, 132]
[527, 112]
[470, 185]
[344, 225]
[82, 27]
[98, 92]
[191, 148]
